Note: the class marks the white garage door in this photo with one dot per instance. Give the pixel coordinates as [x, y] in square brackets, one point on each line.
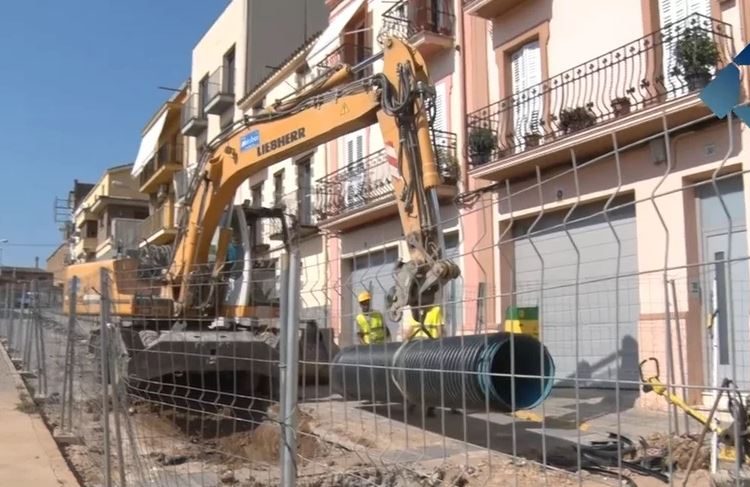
[599, 313]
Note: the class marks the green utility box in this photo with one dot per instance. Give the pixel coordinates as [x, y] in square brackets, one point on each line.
[522, 320]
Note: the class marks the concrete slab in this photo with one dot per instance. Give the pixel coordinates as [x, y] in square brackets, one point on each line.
[28, 453]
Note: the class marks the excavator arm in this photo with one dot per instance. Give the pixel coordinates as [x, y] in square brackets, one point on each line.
[397, 100]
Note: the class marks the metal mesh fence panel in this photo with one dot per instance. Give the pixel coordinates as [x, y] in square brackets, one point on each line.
[597, 335]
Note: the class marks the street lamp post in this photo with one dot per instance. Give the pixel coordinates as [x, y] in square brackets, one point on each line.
[2, 241]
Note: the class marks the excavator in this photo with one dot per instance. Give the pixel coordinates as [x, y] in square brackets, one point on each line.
[185, 333]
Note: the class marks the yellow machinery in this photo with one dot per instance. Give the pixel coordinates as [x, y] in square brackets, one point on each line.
[161, 286]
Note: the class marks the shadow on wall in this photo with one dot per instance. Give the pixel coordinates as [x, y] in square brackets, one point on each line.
[627, 374]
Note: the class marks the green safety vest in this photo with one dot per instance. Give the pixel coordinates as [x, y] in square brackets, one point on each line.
[373, 328]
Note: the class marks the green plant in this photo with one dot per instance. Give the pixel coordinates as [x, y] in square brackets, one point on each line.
[447, 164]
[482, 141]
[573, 119]
[695, 53]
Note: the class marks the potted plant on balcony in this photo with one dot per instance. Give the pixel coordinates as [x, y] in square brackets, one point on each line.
[695, 53]
[482, 141]
[447, 164]
[575, 119]
[620, 106]
[532, 139]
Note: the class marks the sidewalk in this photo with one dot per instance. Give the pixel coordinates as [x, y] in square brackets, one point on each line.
[28, 454]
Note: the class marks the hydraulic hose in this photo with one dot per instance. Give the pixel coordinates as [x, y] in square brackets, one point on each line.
[469, 372]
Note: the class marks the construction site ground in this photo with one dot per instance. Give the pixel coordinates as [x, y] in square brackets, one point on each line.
[354, 443]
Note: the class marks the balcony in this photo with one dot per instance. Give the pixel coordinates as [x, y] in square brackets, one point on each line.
[489, 9]
[158, 228]
[219, 91]
[428, 24]
[192, 117]
[123, 236]
[161, 167]
[364, 187]
[350, 54]
[626, 90]
[301, 219]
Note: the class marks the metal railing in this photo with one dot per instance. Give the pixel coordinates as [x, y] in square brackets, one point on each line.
[411, 17]
[217, 84]
[155, 222]
[351, 54]
[166, 154]
[299, 206]
[192, 110]
[369, 179]
[656, 68]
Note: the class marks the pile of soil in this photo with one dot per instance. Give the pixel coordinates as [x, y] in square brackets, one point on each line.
[263, 443]
[682, 448]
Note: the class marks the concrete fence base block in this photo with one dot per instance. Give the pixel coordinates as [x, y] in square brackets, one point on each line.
[66, 437]
[40, 398]
[27, 374]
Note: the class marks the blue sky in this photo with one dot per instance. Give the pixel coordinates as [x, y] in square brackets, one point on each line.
[79, 81]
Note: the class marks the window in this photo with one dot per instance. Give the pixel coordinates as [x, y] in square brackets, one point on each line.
[441, 107]
[278, 188]
[257, 195]
[676, 11]
[229, 69]
[202, 96]
[304, 192]
[91, 228]
[526, 72]
[355, 167]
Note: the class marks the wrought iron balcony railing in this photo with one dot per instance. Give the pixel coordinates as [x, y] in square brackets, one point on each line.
[411, 17]
[351, 54]
[369, 179]
[665, 65]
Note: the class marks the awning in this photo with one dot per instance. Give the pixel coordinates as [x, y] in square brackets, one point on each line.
[322, 46]
[149, 144]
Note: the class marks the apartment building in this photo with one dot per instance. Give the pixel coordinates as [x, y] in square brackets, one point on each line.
[237, 52]
[158, 170]
[576, 98]
[355, 206]
[107, 218]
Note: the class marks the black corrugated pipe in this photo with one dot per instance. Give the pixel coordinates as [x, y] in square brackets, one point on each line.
[443, 372]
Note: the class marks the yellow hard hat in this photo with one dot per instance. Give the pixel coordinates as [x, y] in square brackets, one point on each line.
[364, 296]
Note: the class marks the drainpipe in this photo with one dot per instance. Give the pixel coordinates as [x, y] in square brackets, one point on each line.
[460, 61]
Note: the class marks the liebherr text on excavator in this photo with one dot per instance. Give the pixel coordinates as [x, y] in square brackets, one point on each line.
[163, 296]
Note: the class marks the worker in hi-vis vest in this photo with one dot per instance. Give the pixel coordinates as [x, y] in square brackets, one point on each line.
[431, 326]
[370, 325]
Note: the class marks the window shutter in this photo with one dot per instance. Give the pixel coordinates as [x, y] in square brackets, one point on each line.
[359, 149]
[533, 64]
[440, 108]
[349, 151]
[702, 7]
[516, 68]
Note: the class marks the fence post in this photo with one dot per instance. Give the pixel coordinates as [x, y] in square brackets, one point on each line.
[11, 324]
[290, 266]
[41, 353]
[104, 356]
[6, 312]
[66, 415]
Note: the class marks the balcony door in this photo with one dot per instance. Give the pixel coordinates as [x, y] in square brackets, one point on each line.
[673, 20]
[355, 173]
[526, 72]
